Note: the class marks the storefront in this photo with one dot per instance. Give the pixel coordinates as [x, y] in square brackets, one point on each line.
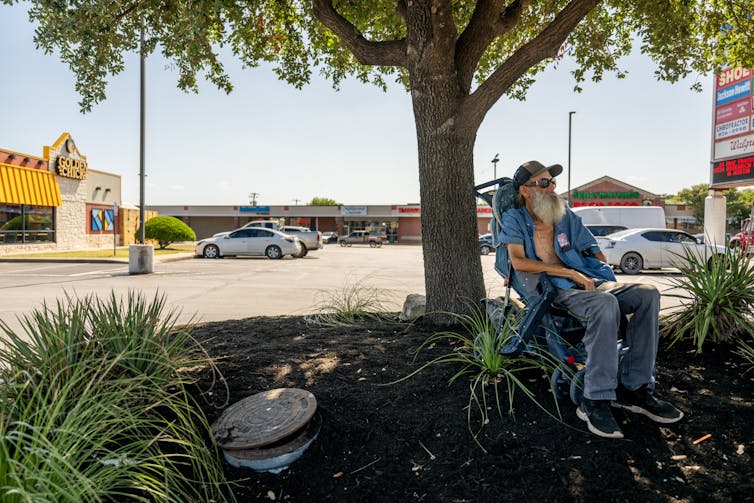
[55, 202]
[399, 223]
[607, 191]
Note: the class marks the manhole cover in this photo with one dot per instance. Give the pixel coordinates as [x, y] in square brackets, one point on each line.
[264, 418]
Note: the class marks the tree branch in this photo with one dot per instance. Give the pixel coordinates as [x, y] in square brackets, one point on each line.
[543, 46]
[388, 53]
[485, 25]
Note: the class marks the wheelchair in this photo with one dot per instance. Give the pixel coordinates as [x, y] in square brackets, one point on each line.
[543, 324]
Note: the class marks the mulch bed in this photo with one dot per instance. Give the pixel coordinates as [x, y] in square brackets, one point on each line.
[411, 442]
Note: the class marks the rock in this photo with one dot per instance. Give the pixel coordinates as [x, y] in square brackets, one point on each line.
[414, 307]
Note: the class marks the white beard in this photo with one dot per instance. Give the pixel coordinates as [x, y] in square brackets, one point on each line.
[547, 206]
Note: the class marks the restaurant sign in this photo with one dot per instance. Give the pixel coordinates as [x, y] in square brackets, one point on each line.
[630, 194]
[70, 167]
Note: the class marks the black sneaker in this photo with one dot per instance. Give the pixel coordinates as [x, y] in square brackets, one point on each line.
[599, 418]
[642, 401]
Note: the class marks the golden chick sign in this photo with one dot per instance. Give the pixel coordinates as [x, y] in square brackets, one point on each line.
[68, 166]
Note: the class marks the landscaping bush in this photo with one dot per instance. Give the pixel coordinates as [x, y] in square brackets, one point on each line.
[717, 298]
[476, 347]
[166, 230]
[94, 407]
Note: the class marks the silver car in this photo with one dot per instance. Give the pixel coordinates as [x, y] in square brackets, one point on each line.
[635, 249]
[249, 241]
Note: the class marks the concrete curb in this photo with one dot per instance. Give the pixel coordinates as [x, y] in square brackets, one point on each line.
[158, 259]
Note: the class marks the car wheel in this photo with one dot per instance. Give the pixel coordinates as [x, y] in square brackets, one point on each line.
[718, 256]
[373, 244]
[343, 244]
[485, 249]
[273, 252]
[304, 251]
[211, 251]
[631, 263]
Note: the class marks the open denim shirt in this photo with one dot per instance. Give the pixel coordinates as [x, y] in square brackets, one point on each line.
[571, 239]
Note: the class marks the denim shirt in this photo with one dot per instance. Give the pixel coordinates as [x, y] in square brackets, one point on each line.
[571, 238]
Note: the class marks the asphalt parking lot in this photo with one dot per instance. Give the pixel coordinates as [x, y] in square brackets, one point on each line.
[234, 288]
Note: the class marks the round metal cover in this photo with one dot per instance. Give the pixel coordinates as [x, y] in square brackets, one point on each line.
[264, 418]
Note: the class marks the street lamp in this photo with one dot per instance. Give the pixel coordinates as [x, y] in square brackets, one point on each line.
[568, 197]
[495, 160]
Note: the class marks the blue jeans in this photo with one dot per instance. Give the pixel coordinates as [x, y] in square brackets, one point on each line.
[601, 311]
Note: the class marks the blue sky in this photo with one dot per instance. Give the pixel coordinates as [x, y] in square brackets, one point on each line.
[356, 145]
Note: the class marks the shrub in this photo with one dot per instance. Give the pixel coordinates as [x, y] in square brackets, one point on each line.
[166, 229]
[477, 347]
[717, 298]
[356, 301]
[94, 407]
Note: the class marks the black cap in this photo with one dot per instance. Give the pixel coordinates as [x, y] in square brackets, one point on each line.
[532, 168]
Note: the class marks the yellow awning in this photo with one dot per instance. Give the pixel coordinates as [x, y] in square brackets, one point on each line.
[28, 186]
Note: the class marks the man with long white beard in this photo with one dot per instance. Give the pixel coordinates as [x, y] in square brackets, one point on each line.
[544, 236]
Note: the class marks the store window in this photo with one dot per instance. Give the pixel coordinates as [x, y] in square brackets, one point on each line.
[24, 223]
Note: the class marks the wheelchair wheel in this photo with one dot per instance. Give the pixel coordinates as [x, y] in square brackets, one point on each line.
[577, 387]
[559, 383]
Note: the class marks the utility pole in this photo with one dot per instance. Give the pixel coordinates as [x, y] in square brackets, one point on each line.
[253, 197]
[568, 197]
[295, 201]
[495, 160]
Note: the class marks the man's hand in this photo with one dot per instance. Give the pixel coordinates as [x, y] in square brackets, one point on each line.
[582, 281]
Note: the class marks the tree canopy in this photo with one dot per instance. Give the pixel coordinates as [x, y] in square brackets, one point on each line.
[323, 201]
[738, 202]
[457, 58]
[492, 42]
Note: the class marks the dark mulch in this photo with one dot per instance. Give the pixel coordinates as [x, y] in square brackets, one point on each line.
[410, 441]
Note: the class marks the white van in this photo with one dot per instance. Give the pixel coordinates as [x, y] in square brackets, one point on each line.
[604, 220]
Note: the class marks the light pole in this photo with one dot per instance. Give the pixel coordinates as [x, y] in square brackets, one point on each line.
[495, 160]
[142, 135]
[568, 197]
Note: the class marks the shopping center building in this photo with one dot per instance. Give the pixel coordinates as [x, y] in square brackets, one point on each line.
[402, 223]
[55, 201]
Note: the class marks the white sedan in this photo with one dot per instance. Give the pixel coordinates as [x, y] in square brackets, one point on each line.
[249, 241]
[635, 249]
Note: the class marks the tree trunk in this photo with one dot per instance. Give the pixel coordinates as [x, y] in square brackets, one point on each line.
[452, 266]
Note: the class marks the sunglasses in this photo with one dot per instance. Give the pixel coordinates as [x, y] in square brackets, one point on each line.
[542, 183]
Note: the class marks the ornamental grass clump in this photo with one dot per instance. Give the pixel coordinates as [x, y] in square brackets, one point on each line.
[94, 407]
[493, 378]
[717, 298]
[348, 306]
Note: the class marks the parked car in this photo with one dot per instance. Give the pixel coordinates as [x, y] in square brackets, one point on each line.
[310, 240]
[635, 249]
[701, 238]
[249, 241]
[485, 244]
[745, 238]
[329, 237]
[362, 237]
[266, 224]
[604, 230]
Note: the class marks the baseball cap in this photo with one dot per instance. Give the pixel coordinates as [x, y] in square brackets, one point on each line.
[532, 168]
